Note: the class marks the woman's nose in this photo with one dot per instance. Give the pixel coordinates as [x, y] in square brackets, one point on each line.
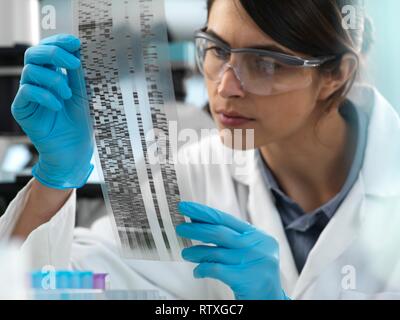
[230, 86]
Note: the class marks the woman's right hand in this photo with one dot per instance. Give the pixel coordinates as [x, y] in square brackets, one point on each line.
[52, 109]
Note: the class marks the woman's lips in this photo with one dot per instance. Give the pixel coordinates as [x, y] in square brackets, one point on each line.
[230, 120]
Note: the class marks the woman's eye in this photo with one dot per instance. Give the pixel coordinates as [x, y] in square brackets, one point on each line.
[266, 66]
[219, 52]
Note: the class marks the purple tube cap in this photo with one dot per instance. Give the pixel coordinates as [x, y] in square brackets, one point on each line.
[99, 281]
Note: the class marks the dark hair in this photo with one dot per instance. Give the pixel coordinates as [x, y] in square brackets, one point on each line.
[315, 28]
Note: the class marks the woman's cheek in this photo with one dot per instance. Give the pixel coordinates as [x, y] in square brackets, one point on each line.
[280, 117]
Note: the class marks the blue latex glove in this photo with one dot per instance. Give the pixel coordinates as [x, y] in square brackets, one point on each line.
[243, 257]
[52, 109]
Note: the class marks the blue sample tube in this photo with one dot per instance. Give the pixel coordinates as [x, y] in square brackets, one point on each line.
[63, 279]
[36, 279]
[76, 280]
[86, 279]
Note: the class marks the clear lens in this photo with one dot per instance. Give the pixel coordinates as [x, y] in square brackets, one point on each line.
[211, 58]
[258, 74]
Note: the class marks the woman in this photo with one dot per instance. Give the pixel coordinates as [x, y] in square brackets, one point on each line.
[320, 192]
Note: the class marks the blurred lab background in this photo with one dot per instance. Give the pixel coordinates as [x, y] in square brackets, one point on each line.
[24, 22]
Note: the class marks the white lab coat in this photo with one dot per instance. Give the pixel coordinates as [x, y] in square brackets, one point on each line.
[356, 256]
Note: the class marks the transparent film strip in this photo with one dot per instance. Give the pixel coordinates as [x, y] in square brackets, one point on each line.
[130, 90]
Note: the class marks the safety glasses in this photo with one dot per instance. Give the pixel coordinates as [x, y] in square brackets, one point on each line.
[260, 72]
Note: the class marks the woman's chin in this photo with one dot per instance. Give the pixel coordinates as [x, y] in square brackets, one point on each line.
[238, 139]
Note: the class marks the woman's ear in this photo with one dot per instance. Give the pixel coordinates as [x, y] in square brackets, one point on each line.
[332, 81]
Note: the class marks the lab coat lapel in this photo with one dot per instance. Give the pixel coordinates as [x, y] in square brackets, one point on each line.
[340, 232]
[264, 215]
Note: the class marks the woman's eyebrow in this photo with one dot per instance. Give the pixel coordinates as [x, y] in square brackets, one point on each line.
[268, 47]
[215, 35]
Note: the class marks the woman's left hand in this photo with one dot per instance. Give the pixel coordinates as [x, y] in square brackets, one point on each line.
[243, 257]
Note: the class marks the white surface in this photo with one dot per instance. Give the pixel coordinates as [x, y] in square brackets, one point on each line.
[13, 273]
[18, 22]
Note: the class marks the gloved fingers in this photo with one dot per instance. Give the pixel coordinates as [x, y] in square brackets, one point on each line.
[245, 283]
[201, 254]
[67, 42]
[77, 83]
[29, 98]
[206, 214]
[53, 55]
[42, 77]
[76, 79]
[215, 234]
[227, 274]
[51, 67]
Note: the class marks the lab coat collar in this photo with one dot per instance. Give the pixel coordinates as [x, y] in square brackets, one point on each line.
[340, 232]
[381, 169]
